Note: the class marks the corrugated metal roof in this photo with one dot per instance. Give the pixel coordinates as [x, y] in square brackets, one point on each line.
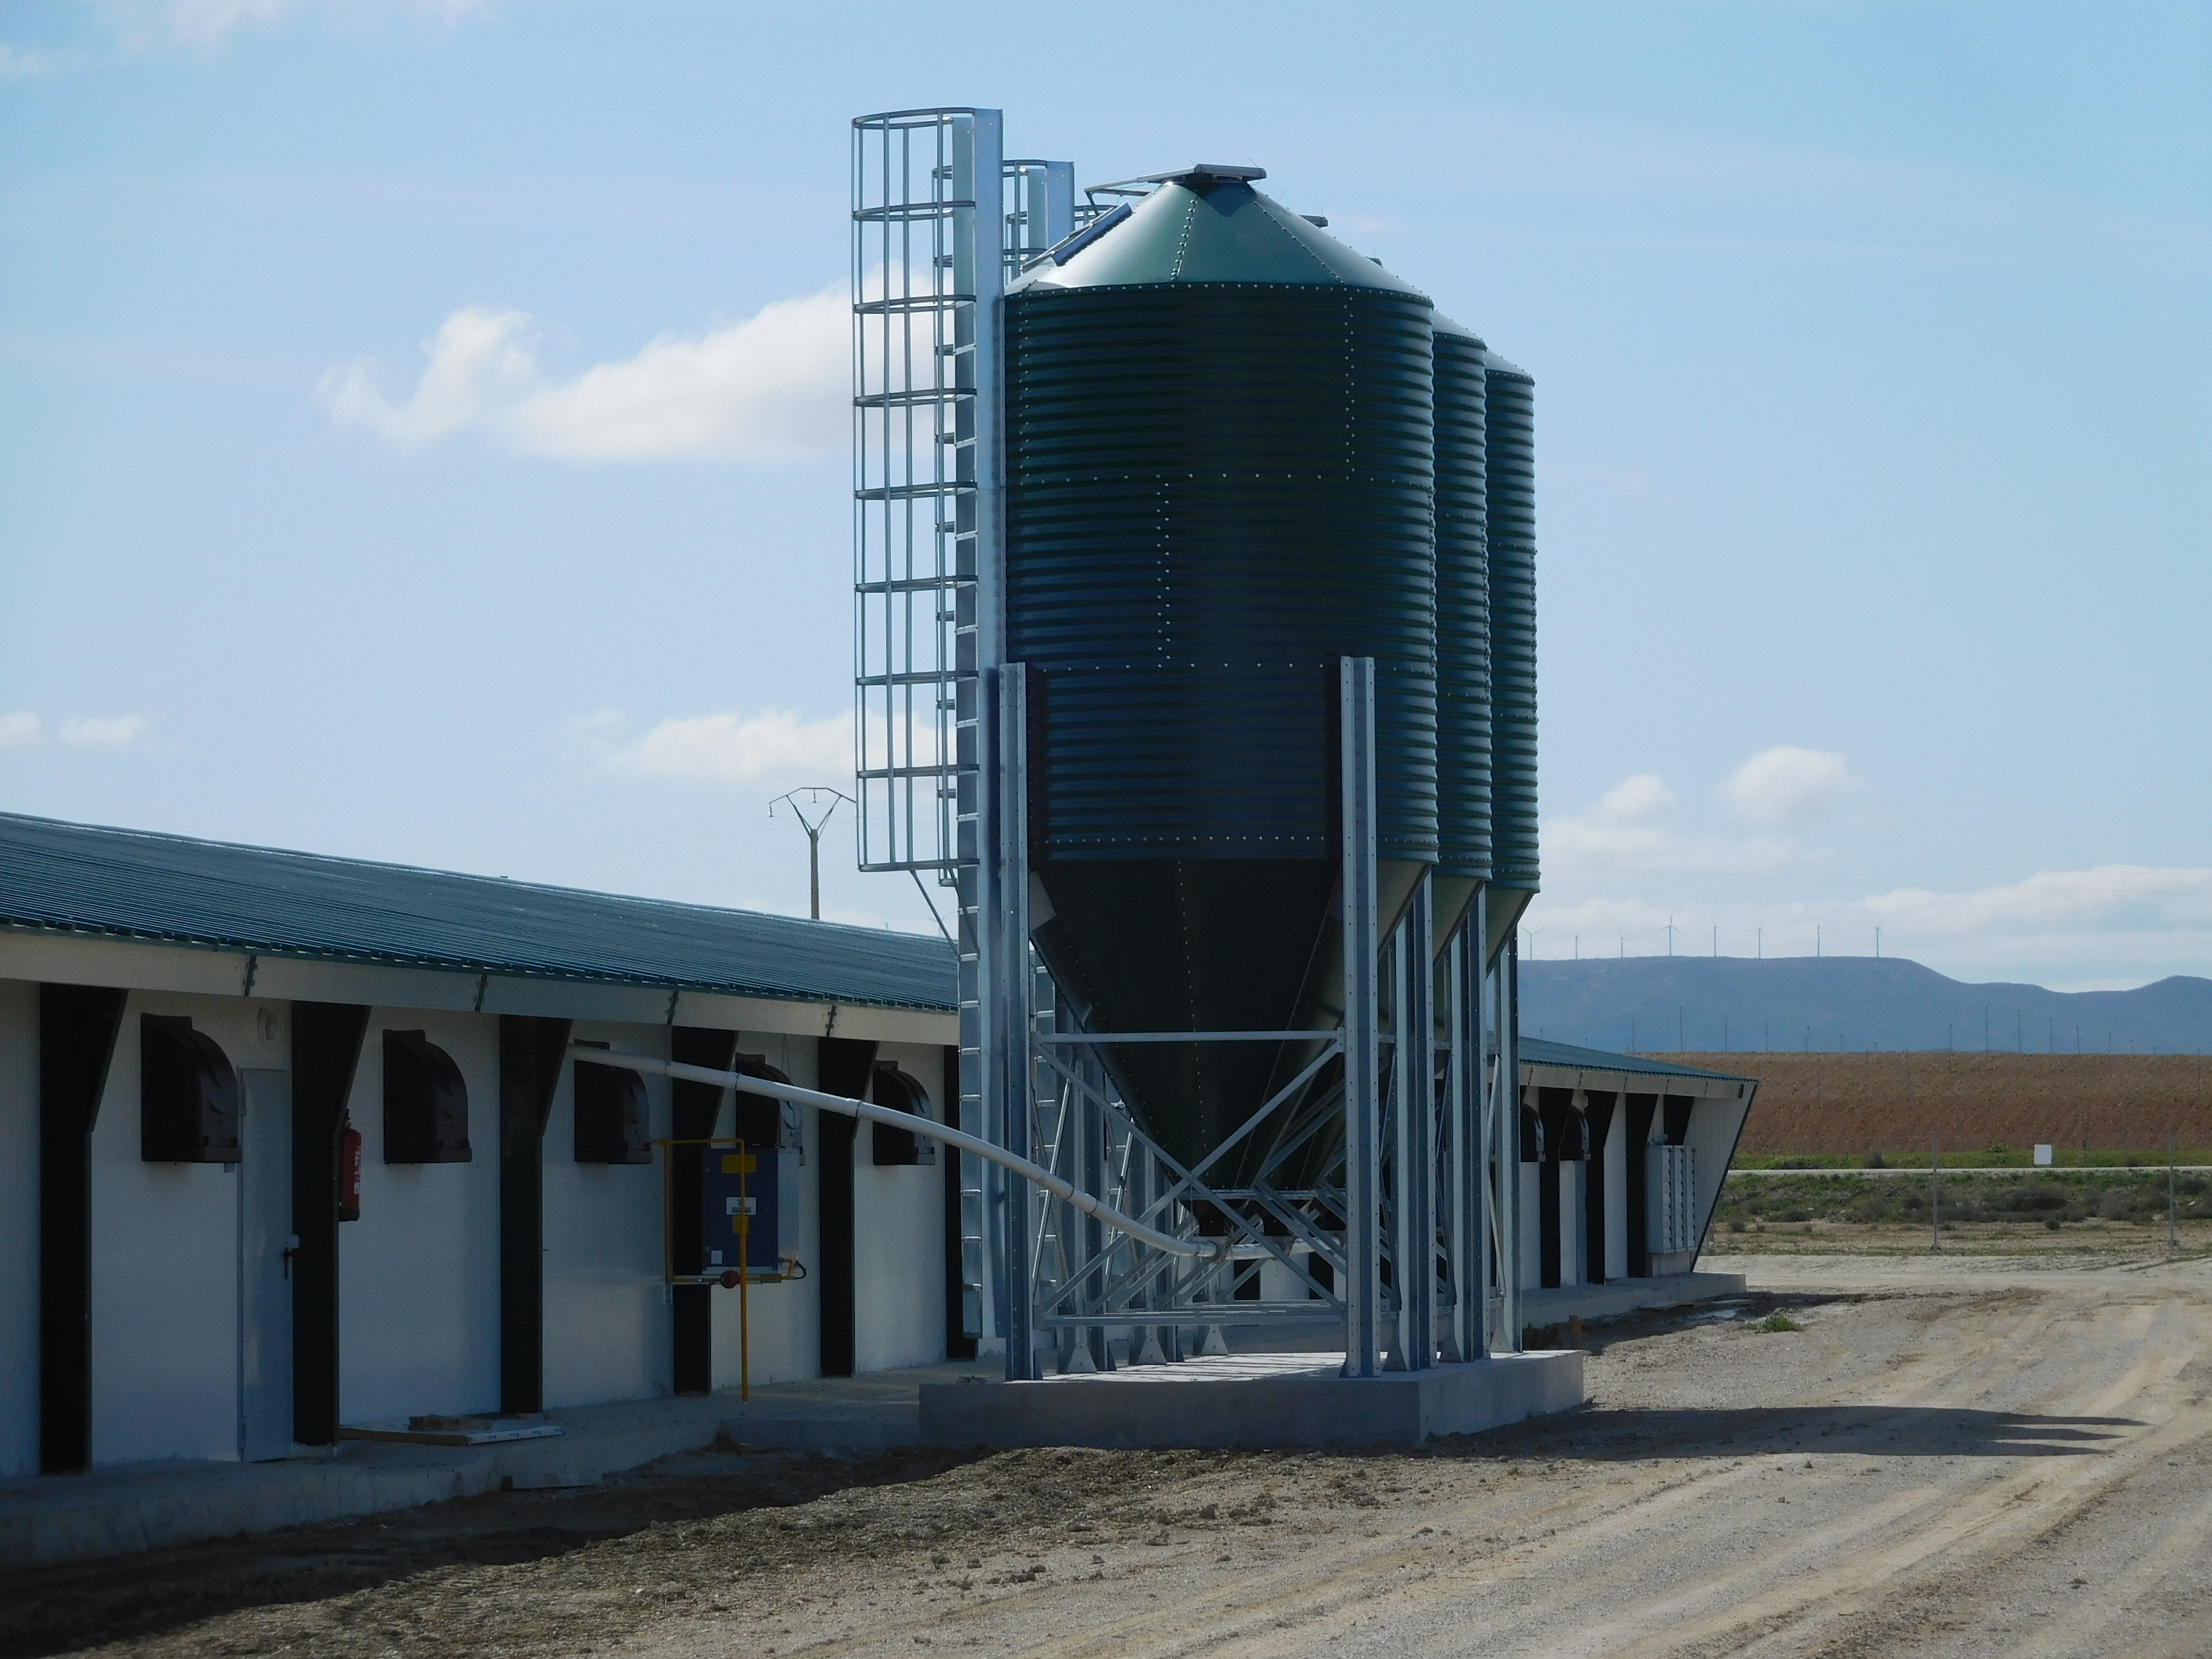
[132, 884]
[1534, 1051]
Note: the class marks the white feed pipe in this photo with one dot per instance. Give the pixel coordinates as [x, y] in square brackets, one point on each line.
[1204, 1249]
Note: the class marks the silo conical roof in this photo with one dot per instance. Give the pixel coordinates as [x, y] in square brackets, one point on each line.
[1205, 226]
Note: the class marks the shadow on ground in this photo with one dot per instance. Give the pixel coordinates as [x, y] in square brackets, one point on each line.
[1866, 1431]
[61, 1609]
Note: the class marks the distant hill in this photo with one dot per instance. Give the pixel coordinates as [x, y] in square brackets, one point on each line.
[1657, 1005]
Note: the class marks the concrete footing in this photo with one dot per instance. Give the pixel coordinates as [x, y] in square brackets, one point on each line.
[1625, 1296]
[1252, 1400]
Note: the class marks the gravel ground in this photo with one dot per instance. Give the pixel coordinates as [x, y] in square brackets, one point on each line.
[1976, 1453]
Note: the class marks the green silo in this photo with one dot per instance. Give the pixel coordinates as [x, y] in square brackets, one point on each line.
[1220, 481]
[1509, 412]
[1464, 668]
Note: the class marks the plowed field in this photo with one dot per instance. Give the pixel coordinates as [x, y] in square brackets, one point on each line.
[1857, 1103]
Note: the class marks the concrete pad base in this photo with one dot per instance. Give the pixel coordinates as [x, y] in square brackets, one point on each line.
[1625, 1296]
[120, 1509]
[1251, 1400]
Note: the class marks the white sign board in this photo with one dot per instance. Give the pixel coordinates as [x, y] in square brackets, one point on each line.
[2042, 1156]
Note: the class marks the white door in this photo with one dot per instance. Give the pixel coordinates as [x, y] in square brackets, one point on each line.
[266, 1243]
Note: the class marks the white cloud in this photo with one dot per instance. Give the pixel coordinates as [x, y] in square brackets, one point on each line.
[773, 388]
[31, 62]
[1788, 786]
[101, 730]
[775, 746]
[1627, 829]
[204, 22]
[1639, 799]
[2129, 897]
[2108, 927]
[200, 23]
[22, 730]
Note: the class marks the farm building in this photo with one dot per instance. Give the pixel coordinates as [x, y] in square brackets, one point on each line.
[189, 1031]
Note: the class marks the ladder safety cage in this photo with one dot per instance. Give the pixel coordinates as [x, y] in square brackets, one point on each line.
[924, 298]
[914, 427]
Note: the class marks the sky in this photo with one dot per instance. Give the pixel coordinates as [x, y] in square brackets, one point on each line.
[424, 436]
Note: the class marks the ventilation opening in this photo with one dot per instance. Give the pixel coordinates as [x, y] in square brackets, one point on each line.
[187, 1095]
[894, 1146]
[611, 1115]
[426, 1104]
[762, 1121]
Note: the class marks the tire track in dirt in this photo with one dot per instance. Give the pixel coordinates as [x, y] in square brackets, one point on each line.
[1936, 1521]
[1352, 1583]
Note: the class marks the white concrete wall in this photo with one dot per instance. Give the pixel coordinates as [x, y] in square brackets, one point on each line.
[1574, 1234]
[785, 1319]
[165, 1256]
[19, 1228]
[1617, 1166]
[1714, 1126]
[898, 1238]
[418, 1274]
[1531, 1226]
[608, 1332]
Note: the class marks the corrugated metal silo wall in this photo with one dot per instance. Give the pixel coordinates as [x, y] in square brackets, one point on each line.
[1463, 671]
[1215, 491]
[1511, 447]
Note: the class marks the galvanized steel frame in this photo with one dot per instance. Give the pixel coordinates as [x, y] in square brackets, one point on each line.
[941, 752]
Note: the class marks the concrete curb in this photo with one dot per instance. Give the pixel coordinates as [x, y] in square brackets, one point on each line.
[1274, 1400]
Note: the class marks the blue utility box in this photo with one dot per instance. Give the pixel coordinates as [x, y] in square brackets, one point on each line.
[738, 1195]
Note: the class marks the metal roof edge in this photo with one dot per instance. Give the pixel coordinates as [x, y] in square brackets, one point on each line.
[502, 883]
[1603, 1059]
[460, 965]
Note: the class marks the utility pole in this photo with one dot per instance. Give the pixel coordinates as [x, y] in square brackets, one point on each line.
[814, 793]
[2173, 1206]
[1935, 1195]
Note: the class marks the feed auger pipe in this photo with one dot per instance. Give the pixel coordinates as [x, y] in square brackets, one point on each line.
[1204, 1249]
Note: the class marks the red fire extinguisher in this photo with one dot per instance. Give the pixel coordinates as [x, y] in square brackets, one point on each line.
[349, 1172]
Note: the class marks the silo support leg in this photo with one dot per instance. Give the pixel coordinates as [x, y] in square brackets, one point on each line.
[1413, 1104]
[1362, 1059]
[1010, 986]
[1467, 1156]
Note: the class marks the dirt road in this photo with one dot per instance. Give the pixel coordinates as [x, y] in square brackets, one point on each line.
[1960, 1455]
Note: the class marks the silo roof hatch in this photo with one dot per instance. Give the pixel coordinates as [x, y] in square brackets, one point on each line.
[1199, 175]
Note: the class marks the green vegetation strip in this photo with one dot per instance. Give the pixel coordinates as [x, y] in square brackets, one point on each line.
[2053, 1197]
[1987, 1158]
